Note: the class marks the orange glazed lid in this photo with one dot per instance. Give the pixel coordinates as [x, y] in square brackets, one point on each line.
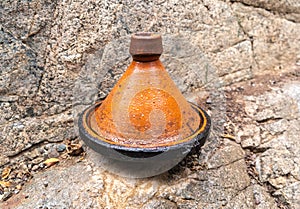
[145, 109]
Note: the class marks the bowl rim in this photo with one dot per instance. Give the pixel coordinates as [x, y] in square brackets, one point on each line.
[88, 134]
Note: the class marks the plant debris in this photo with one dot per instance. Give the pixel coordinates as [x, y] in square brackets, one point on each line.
[5, 184]
[21, 168]
[228, 136]
[5, 173]
[74, 149]
[51, 161]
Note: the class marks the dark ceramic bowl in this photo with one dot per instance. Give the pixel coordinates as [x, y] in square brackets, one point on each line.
[157, 159]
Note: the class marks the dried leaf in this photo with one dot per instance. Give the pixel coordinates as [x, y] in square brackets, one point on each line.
[5, 172]
[51, 161]
[5, 183]
[80, 159]
[19, 187]
[228, 136]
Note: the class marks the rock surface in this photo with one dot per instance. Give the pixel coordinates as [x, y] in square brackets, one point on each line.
[277, 112]
[57, 57]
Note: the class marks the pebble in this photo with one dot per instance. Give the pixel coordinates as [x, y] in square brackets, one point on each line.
[208, 101]
[52, 153]
[48, 146]
[23, 166]
[279, 182]
[31, 155]
[18, 181]
[41, 150]
[37, 160]
[61, 147]
[41, 165]
[20, 175]
[46, 184]
[19, 187]
[35, 167]
[29, 166]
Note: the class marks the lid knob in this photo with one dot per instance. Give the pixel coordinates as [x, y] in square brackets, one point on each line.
[146, 43]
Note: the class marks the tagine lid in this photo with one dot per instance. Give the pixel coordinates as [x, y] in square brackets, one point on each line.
[145, 108]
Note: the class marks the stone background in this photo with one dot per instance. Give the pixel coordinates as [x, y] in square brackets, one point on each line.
[254, 47]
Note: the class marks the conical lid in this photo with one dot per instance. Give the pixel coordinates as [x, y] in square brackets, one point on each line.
[145, 108]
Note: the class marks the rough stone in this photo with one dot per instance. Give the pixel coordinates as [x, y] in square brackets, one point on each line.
[270, 36]
[275, 105]
[278, 182]
[249, 137]
[235, 63]
[253, 196]
[57, 194]
[291, 194]
[22, 134]
[57, 57]
[221, 158]
[288, 9]
[52, 153]
[3, 160]
[30, 23]
[96, 187]
[159, 203]
[278, 162]
[55, 39]
[20, 77]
